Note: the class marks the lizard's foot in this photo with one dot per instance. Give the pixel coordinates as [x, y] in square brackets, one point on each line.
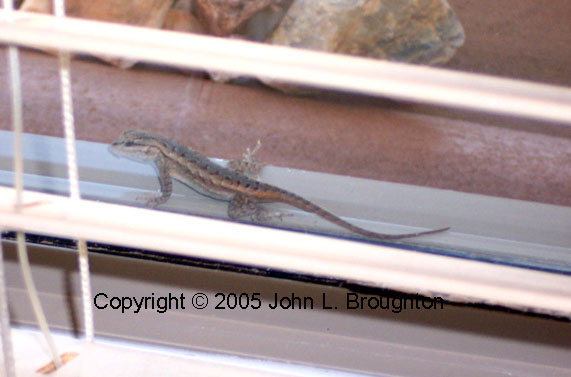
[263, 215]
[150, 200]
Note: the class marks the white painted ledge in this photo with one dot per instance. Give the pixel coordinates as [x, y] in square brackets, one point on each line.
[115, 358]
[381, 266]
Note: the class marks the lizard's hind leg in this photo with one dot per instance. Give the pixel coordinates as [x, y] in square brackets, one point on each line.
[241, 206]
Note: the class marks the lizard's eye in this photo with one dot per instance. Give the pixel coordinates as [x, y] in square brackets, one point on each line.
[129, 143]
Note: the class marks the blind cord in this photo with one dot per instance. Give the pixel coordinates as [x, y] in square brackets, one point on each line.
[34, 299]
[15, 83]
[5, 334]
[72, 171]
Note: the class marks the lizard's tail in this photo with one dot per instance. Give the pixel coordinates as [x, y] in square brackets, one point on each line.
[306, 205]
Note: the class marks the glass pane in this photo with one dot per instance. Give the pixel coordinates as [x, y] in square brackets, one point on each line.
[501, 183]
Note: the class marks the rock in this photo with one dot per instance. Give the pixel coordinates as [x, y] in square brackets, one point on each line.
[185, 5]
[414, 31]
[224, 17]
[239, 19]
[183, 21]
[261, 25]
[149, 13]
[38, 6]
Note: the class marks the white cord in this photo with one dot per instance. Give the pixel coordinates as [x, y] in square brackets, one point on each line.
[5, 331]
[68, 124]
[15, 83]
[7, 351]
[34, 299]
[72, 171]
[16, 87]
[85, 290]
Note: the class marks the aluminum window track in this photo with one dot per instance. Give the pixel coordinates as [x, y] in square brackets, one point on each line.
[533, 235]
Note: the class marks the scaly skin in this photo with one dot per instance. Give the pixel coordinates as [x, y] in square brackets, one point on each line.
[176, 161]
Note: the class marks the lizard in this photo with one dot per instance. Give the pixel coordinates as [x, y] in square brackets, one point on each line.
[244, 194]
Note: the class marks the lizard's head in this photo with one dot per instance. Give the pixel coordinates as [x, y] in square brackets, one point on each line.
[138, 145]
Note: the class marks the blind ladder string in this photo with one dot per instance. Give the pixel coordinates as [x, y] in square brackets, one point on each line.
[5, 333]
[71, 154]
[16, 89]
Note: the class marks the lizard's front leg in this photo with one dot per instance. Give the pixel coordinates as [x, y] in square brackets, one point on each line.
[248, 165]
[165, 182]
